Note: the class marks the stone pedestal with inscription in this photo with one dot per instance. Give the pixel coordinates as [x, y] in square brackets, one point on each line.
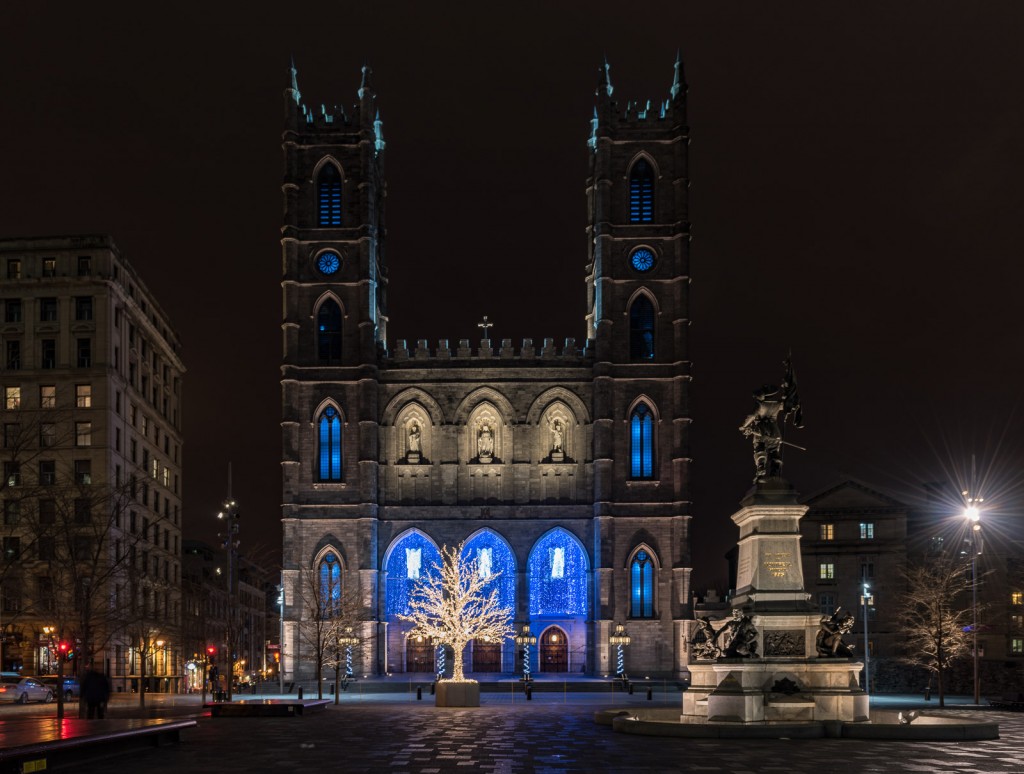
[787, 681]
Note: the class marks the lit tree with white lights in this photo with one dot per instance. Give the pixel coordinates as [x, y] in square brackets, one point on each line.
[453, 606]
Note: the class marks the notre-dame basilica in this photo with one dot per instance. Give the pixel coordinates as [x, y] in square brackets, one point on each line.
[564, 469]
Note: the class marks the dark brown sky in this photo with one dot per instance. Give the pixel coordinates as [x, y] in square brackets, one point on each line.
[855, 196]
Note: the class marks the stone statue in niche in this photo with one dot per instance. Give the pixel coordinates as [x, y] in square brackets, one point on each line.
[413, 443]
[772, 407]
[485, 444]
[829, 641]
[557, 440]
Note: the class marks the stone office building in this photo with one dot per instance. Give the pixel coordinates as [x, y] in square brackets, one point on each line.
[564, 467]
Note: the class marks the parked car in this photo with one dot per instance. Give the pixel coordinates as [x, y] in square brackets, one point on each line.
[24, 690]
[71, 687]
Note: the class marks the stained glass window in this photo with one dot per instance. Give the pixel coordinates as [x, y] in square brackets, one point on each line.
[328, 332]
[330, 445]
[328, 194]
[412, 550]
[564, 593]
[330, 586]
[641, 193]
[641, 329]
[495, 559]
[641, 575]
[641, 442]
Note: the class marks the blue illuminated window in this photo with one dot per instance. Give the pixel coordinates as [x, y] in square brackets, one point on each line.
[641, 193]
[641, 442]
[641, 329]
[494, 558]
[641, 583]
[328, 196]
[557, 572]
[330, 586]
[411, 559]
[328, 332]
[330, 445]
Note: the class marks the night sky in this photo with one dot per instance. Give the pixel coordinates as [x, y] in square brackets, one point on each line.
[855, 197]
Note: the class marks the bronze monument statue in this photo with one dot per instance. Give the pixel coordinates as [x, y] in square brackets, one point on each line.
[772, 407]
[705, 641]
[829, 641]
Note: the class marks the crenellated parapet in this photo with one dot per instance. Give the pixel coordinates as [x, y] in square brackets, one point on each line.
[485, 350]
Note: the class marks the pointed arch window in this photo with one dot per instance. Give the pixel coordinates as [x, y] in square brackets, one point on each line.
[330, 586]
[641, 329]
[641, 442]
[641, 193]
[328, 196]
[330, 445]
[641, 586]
[328, 333]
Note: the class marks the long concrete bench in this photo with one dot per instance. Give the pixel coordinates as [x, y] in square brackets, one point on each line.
[265, 708]
[41, 744]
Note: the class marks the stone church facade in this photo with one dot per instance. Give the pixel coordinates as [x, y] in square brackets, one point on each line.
[566, 468]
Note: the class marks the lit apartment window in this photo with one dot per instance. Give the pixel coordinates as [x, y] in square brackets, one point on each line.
[47, 434]
[83, 472]
[867, 530]
[83, 396]
[1017, 646]
[827, 531]
[47, 396]
[1017, 598]
[826, 571]
[49, 267]
[12, 397]
[83, 433]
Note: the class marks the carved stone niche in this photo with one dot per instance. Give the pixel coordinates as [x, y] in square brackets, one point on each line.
[485, 436]
[555, 435]
[414, 436]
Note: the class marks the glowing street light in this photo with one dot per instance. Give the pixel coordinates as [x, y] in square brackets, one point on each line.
[524, 640]
[972, 513]
[867, 598]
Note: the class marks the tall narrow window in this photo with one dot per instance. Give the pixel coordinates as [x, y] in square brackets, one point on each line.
[330, 445]
[641, 329]
[641, 441]
[328, 195]
[641, 575]
[328, 332]
[641, 193]
[330, 586]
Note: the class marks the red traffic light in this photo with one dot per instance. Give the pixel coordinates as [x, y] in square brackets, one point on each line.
[210, 650]
[63, 647]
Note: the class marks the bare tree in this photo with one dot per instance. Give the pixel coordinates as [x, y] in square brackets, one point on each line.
[935, 615]
[321, 623]
[452, 606]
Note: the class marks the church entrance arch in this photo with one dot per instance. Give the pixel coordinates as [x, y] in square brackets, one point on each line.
[486, 656]
[554, 650]
[419, 655]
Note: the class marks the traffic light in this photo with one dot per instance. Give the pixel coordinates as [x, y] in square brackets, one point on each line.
[65, 649]
[211, 651]
[277, 657]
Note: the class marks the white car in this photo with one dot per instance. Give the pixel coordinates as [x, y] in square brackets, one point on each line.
[23, 690]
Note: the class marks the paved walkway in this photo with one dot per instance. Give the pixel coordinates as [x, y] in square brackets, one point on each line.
[551, 733]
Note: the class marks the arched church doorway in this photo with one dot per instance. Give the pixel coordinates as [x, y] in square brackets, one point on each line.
[419, 655]
[554, 650]
[486, 656]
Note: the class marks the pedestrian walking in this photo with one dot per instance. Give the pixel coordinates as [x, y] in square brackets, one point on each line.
[96, 690]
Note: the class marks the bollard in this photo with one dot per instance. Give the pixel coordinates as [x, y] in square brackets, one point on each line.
[529, 693]
[433, 688]
[650, 693]
[928, 693]
[419, 693]
[300, 693]
[630, 690]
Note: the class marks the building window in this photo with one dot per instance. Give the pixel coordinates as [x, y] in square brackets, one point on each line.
[330, 445]
[12, 398]
[83, 510]
[47, 434]
[867, 570]
[48, 353]
[83, 472]
[867, 530]
[46, 548]
[12, 473]
[84, 353]
[826, 571]
[83, 308]
[47, 310]
[83, 396]
[83, 433]
[12, 310]
[641, 329]
[557, 575]
[12, 435]
[329, 196]
[12, 512]
[330, 586]
[1017, 621]
[13, 269]
[827, 531]
[47, 396]
[1017, 598]
[328, 332]
[1017, 646]
[641, 583]
[47, 472]
[641, 193]
[641, 440]
[49, 267]
[13, 355]
[84, 266]
[12, 548]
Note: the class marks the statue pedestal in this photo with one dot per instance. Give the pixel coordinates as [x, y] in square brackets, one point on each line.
[485, 460]
[557, 456]
[413, 458]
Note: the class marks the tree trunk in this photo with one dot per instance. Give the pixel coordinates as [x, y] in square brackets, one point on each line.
[320, 675]
[941, 671]
[60, 686]
[337, 677]
[142, 678]
[457, 662]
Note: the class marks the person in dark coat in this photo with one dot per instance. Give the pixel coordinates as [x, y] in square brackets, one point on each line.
[96, 691]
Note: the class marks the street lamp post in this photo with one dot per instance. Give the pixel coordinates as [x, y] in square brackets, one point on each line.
[231, 515]
[620, 638]
[972, 512]
[346, 641]
[524, 640]
[866, 599]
